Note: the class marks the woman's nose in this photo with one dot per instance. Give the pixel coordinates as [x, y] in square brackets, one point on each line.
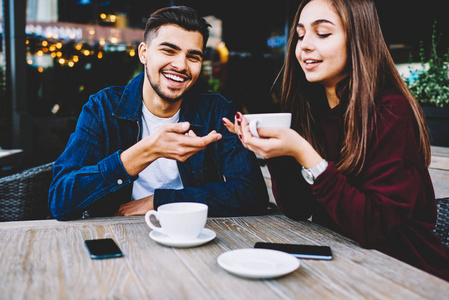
[306, 43]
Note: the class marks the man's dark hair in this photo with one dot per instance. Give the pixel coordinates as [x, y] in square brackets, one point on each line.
[182, 16]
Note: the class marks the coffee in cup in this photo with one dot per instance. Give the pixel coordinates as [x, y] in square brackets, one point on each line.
[256, 121]
[180, 220]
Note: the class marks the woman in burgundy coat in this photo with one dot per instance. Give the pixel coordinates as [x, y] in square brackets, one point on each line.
[357, 155]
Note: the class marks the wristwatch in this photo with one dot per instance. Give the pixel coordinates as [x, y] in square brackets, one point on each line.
[311, 174]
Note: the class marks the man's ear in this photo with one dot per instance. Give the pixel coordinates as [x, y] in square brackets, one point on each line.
[142, 52]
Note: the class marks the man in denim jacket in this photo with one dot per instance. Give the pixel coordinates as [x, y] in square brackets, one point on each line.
[154, 142]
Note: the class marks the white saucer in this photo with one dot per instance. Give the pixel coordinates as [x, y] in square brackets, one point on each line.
[258, 263]
[205, 236]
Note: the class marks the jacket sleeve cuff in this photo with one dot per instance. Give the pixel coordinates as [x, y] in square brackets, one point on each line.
[323, 179]
[164, 196]
[114, 172]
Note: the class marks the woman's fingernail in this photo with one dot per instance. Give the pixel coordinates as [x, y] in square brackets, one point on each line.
[239, 123]
[240, 136]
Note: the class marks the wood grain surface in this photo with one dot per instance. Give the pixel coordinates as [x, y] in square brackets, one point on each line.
[48, 260]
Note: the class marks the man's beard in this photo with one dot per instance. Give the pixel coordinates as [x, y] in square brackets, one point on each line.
[157, 88]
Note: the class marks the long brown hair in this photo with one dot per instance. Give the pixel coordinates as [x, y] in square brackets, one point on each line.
[371, 71]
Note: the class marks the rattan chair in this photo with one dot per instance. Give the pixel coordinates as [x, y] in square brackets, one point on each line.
[442, 227]
[24, 196]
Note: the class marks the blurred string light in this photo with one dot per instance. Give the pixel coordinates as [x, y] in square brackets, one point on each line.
[58, 45]
[111, 18]
[55, 109]
[68, 53]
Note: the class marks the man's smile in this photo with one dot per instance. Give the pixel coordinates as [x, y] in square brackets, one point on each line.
[174, 77]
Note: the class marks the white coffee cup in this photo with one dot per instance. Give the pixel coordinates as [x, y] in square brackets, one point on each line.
[180, 220]
[255, 121]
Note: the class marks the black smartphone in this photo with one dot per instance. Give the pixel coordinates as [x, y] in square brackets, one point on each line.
[103, 248]
[300, 251]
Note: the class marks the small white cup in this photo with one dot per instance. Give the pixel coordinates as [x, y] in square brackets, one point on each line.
[255, 121]
[180, 220]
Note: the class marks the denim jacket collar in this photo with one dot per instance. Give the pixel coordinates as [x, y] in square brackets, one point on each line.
[130, 105]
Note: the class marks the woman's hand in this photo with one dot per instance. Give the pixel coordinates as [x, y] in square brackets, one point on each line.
[232, 127]
[274, 142]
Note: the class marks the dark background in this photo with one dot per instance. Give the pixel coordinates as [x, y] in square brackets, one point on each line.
[403, 21]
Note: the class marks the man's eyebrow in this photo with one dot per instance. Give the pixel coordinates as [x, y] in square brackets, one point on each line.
[316, 23]
[170, 45]
[190, 51]
[195, 52]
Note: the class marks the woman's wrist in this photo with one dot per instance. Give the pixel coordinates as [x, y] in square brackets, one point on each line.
[307, 156]
[312, 161]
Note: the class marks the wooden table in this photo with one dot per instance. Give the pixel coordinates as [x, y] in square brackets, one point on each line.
[48, 260]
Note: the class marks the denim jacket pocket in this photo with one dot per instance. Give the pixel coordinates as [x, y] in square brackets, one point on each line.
[208, 174]
[199, 177]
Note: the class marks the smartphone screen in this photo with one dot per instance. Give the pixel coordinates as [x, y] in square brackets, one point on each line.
[300, 251]
[103, 248]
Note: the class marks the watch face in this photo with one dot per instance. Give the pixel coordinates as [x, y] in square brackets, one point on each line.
[308, 176]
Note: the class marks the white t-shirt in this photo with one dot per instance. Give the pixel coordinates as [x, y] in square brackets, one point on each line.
[163, 173]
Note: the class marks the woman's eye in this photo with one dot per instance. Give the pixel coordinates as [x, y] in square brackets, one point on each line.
[322, 36]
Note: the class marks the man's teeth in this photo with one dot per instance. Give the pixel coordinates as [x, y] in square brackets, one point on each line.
[174, 77]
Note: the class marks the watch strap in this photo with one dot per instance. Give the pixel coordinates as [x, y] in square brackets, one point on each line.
[311, 174]
[319, 168]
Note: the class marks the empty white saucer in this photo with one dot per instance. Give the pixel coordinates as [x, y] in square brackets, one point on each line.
[205, 236]
[258, 263]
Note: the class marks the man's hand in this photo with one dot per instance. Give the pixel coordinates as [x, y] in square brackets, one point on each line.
[172, 141]
[136, 207]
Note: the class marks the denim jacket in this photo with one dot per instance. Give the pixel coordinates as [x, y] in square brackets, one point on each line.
[90, 177]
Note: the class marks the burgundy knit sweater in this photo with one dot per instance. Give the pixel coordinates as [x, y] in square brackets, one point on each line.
[390, 206]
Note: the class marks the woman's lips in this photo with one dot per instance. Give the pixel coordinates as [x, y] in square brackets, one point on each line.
[310, 64]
